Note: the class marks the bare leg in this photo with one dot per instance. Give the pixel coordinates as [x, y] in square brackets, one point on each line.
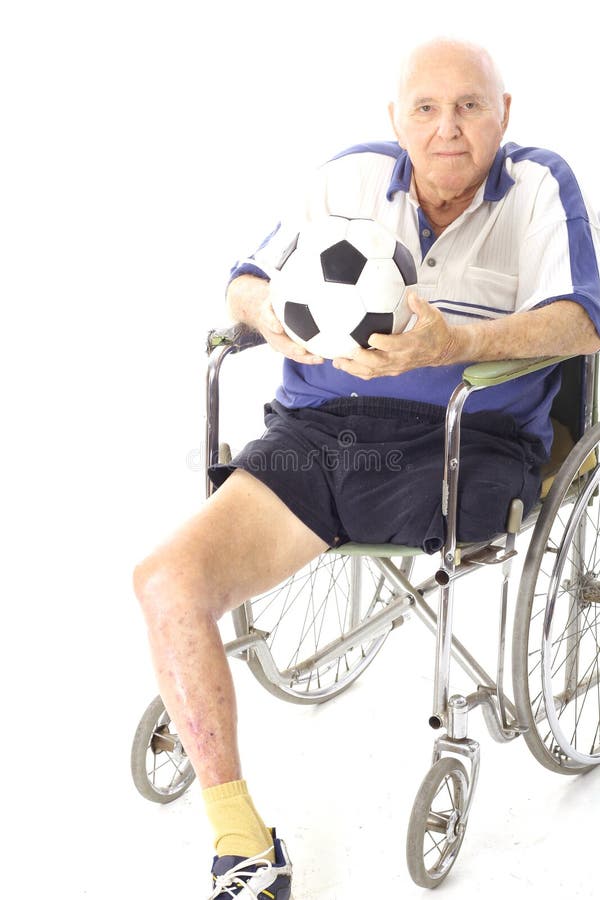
[244, 541]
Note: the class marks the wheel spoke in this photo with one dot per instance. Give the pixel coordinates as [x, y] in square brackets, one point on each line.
[305, 617]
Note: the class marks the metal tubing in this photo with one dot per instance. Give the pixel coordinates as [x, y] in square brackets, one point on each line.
[443, 652]
[501, 650]
[239, 646]
[460, 654]
[574, 615]
[451, 465]
[215, 361]
[458, 712]
[590, 406]
[562, 699]
[469, 749]
[355, 589]
[509, 547]
[372, 628]
[449, 509]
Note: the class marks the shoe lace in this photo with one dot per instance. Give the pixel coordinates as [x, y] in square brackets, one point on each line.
[233, 878]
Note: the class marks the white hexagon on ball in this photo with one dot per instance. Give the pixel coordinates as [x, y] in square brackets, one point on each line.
[336, 309]
[372, 239]
[323, 233]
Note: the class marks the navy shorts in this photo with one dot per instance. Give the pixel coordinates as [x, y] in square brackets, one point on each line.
[369, 469]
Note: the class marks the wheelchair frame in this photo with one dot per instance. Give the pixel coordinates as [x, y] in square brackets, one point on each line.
[430, 829]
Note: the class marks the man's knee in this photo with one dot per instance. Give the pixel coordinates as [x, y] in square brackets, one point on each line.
[169, 584]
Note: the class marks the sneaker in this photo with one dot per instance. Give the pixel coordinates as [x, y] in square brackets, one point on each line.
[254, 877]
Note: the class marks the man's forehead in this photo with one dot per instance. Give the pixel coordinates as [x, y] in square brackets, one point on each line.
[451, 74]
[460, 94]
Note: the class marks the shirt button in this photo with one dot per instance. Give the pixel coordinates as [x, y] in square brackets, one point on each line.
[426, 232]
[431, 262]
[353, 394]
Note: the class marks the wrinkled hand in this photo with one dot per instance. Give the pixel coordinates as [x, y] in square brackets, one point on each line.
[431, 342]
[274, 333]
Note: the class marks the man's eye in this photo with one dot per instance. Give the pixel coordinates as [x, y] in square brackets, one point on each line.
[426, 107]
[470, 105]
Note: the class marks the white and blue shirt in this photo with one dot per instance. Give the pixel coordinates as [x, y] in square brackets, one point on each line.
[528, 238]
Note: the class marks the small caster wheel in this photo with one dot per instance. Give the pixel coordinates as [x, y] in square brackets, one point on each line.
[160, 768]
[437, 825]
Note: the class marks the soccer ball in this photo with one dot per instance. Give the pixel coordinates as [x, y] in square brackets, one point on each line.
[339, 281]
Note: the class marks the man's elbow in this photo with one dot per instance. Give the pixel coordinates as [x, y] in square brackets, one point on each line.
[581, 337]
[592, 343]
[590, 339]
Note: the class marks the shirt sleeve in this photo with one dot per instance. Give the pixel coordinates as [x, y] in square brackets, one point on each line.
[560, 250]
[309, 200]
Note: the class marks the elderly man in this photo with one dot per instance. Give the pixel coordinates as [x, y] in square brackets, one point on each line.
[507, 267]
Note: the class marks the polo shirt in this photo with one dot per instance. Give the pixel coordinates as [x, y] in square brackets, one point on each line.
[527, 239]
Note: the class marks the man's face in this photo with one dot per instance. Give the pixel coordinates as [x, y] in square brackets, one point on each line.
[448, 118]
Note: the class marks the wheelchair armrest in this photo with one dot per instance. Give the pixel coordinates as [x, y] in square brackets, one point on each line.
[238, 337]
[486, 374]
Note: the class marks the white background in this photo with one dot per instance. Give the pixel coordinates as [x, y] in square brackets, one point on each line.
[145, 146]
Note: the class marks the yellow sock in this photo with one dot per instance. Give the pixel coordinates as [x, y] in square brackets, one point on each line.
[239, 830]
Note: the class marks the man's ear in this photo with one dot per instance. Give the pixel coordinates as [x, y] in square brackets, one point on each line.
[507, 101]
[393, 113]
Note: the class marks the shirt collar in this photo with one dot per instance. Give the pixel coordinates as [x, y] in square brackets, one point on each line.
[401, 176]
[497, 184]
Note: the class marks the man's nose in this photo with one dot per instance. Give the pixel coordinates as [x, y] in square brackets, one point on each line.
[448, 125]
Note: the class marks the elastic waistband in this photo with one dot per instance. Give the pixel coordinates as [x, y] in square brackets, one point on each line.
[403, 413]
[410, 411]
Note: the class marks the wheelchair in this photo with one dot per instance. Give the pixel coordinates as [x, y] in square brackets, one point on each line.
[311, 637]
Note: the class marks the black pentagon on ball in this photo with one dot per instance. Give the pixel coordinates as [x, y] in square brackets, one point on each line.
[297, 316]
[372, 323]
[342, 263]
[406, 264]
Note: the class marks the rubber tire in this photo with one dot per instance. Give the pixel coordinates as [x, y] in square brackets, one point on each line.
[139, 749]
[417, 823]
[533, 560]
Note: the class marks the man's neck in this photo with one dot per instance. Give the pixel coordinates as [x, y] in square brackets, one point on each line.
[442, 209]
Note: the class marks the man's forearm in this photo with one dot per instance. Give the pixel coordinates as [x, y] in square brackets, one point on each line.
[559, 329]
[248, 303]
[244, 296]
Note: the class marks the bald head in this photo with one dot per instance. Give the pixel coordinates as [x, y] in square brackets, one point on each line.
[444, 51]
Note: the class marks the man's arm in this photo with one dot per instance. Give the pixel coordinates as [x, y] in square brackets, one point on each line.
[248, 302]
[561, 328]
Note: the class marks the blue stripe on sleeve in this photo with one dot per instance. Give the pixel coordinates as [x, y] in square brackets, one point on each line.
[247, 269]
[386, 148]
[584, 264]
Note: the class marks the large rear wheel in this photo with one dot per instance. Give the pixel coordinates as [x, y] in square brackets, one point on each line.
[556, 642]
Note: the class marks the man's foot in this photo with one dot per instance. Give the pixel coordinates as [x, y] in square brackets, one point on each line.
[253, 878]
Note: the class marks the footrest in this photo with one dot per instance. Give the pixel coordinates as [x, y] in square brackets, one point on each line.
[488, 556]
